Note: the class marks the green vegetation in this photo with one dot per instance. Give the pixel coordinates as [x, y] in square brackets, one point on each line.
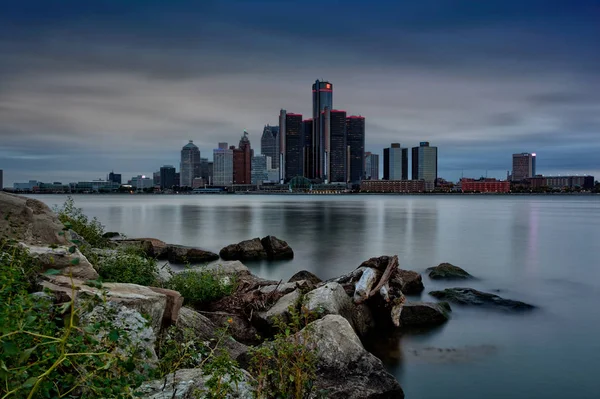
[73, 218]
[199, 286]
[286, 366]
[128, 264]
[45, 354]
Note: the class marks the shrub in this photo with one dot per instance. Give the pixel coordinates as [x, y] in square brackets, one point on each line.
[74, 218]
[44, 353]
[199, 286]
[127, 265]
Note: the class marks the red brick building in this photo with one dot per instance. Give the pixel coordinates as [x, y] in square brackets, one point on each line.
[484, 186]
[392, 186]
[242, 161]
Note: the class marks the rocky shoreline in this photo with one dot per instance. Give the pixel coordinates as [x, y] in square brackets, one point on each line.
[367, 300]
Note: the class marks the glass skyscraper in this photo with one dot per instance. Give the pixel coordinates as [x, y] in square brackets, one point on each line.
[322, 94]
[269, 144]
[355, 133]
[190, 164]
[424, 164]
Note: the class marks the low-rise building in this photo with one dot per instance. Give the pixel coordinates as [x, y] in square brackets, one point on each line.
[392, 186]
[562, 182]
[484, 185]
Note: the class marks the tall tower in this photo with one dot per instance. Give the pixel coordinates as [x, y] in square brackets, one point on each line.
[190, 164]
[336, 148]
[523, 166]
[355, 133]
[395, 162]
[269, 144]
[424, 164]
[242, 161]
[322, 94]
[291, 145]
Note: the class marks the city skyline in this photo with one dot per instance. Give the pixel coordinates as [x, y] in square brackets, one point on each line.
[120, 82]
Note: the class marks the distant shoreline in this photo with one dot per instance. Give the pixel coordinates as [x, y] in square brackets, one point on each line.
[318, 194]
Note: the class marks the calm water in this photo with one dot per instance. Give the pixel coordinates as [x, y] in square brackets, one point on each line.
[542, 250]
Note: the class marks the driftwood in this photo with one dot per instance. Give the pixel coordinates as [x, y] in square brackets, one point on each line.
[389, 270]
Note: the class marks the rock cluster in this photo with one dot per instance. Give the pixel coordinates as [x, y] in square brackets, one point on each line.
[269, 247]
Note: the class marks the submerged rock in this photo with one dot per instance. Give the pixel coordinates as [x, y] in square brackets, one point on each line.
[410, 282]
[182, 254]
[246, 250]
[277, 249]
[469, 296]
[447, 271]
[344, 368]
[423, 314]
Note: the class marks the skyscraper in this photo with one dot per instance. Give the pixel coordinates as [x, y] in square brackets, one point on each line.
[424, 164]
[269, 144]
[1, 179]
[307, 156]
[336, 170]
[167, 177]
[355, 138]
[242, 158]
[205, 174]
[523, 166]
[395, 162]
[222, 165]
[113, 177]
[260, 166]
[290, 147]
[371, 166]
[322, 93]
[190, 164]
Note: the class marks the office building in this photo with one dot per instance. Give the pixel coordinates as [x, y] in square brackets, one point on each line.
[177, 179]
[1, 179]
[484, 185]
[336, 151]
[395, 162]
[355, 139]
[242, 161]
[222, 166]
[269, 145]
[190, 164]
[562, 182]
[260, 167]
[141, 182]
[114, 177]
[167, 177]
[290, 145]
[424, 164]
[307, 154]
[371, 166]
[204, 170]
[322, 94]
[392, 186]
[156, 178]
[523, 166]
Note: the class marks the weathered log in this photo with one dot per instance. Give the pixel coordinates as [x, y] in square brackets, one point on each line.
[391, 267]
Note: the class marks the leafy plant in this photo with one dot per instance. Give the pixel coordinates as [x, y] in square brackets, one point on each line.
[128, 264]
[73, 218]
[200, 285]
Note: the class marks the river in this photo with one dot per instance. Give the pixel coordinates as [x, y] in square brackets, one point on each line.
[544, 250]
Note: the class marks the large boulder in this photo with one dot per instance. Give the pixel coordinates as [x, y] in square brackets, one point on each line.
[410, 282]
[233, 267]
[423, 314]
[277, 249]
[192, 383]
[206, 330]
[29, 221]
[344, 368]
[151, 246]
[183, 254]
[447, 271]
[239, 326]
[246, 250]
[172, 307]
[61, 258]
[306, 276]
[469, 296]
[281, 308]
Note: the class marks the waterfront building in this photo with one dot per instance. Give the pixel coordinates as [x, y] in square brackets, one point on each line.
[371, 166]
[205, 172]
[392, 186]
[424, 164]
[562, 182]
[322, 95]
[307, 154]
[242, 158]
[94, 186]
[523, 166]
[395, 163]
[167, 177]
[141, 182]
[290, 145]
[177, 179]
[114, 177]
[336, 151]
[190, 164]
[484, 185]
[1, 179]
[355, 139]
[260, 167]
[156, 178]
[269, 144]
[29, 186]
[222, 165]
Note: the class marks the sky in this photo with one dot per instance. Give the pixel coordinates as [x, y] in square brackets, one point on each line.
[87, 87]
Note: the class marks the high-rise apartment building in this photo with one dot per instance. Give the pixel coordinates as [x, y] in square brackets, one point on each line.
[371, 166]
[355, 139]
[290, 145]
[424, 164]
[112, 177]
[269, 144]
[190, 164]
[395, 162]
[523, 166]
[167, 177]
[242, 161]
[336, 150]
[222, 166]
[322, 94]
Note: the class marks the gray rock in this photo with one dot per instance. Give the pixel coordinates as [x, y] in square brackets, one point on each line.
[281, 308]
[305, 275]
[447, 271]
[60, 258]
[164, 273]
[469, 296]
[152, 247]
[410, 282]
[182, 254]
[277, 249]
[187, 383]
[72, 235]
[284, 288]
[232, 267]
[345, 369]
[111, 235]
[423, 314]
[206, 330]
[246, 250]
[29, 221]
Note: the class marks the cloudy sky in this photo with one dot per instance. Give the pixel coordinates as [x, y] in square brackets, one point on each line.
[91, 86]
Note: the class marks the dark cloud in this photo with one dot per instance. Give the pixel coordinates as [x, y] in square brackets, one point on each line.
[126, 83]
